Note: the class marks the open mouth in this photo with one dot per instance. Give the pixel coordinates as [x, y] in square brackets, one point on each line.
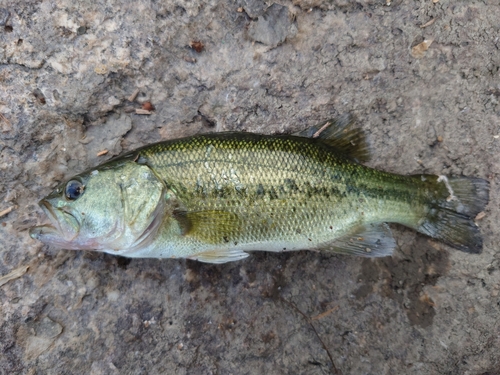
[49, 211]
[60, 230]
[40, 231]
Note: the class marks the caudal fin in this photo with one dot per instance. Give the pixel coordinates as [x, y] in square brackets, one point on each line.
[455, 202]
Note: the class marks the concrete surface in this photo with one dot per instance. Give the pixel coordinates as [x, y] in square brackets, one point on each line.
[67, 70]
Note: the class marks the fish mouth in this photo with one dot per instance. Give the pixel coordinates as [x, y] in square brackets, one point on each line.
[62, 229]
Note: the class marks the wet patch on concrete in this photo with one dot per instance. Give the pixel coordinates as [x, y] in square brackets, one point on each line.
[404, 277]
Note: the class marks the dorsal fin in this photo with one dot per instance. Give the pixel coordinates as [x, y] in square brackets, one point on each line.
[341, 134]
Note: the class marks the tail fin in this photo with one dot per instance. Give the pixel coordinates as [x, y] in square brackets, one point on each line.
[455, 202]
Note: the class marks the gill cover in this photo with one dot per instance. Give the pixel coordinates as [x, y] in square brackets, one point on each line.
[117, 207]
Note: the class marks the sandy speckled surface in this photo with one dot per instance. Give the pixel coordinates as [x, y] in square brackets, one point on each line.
[66, 71]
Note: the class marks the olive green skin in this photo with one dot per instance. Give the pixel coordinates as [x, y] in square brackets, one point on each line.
[213, 197]
[281, 192]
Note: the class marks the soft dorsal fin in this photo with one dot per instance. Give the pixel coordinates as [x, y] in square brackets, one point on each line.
[371, 241]
[211, 226]
[341, 134]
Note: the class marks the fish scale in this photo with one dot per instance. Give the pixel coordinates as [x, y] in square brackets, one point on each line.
[326, 203]
[214, 197]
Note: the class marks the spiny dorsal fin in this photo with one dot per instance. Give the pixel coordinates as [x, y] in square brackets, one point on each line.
[215, 227]
[371, 241]
[341, 134]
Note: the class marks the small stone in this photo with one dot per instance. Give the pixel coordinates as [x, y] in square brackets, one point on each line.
[48, 328]
[108, 136]
[197, 45]
[419, 50]
[101, 69]
[391, 106]
[272, 27]
[254, 8]
[148, 106]
[46, 331]
[113, 101]
[480, 216]
[308, 5]
[81, 30]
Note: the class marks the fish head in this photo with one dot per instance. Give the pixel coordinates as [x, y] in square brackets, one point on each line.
[116, 207]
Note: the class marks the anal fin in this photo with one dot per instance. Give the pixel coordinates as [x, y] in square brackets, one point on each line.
[371, 241]
[219, 256]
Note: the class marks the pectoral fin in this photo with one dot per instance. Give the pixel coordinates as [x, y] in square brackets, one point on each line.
[213, 227]
[371, 241]
[219, 256]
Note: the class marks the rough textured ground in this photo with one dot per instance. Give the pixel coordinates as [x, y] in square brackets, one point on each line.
[66, 71]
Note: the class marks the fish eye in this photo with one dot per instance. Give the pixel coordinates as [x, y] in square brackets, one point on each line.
[74, 189]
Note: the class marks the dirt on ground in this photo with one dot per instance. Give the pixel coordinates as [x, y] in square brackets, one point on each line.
[79, 78]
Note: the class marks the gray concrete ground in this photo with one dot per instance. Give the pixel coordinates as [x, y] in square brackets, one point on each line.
[67, 70]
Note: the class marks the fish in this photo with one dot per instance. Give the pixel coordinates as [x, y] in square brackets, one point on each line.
[216, 197]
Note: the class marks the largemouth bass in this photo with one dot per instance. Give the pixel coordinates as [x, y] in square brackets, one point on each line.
[214, 197]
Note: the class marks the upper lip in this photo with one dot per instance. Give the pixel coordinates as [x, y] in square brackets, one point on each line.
[57, 220]
[49, 211]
